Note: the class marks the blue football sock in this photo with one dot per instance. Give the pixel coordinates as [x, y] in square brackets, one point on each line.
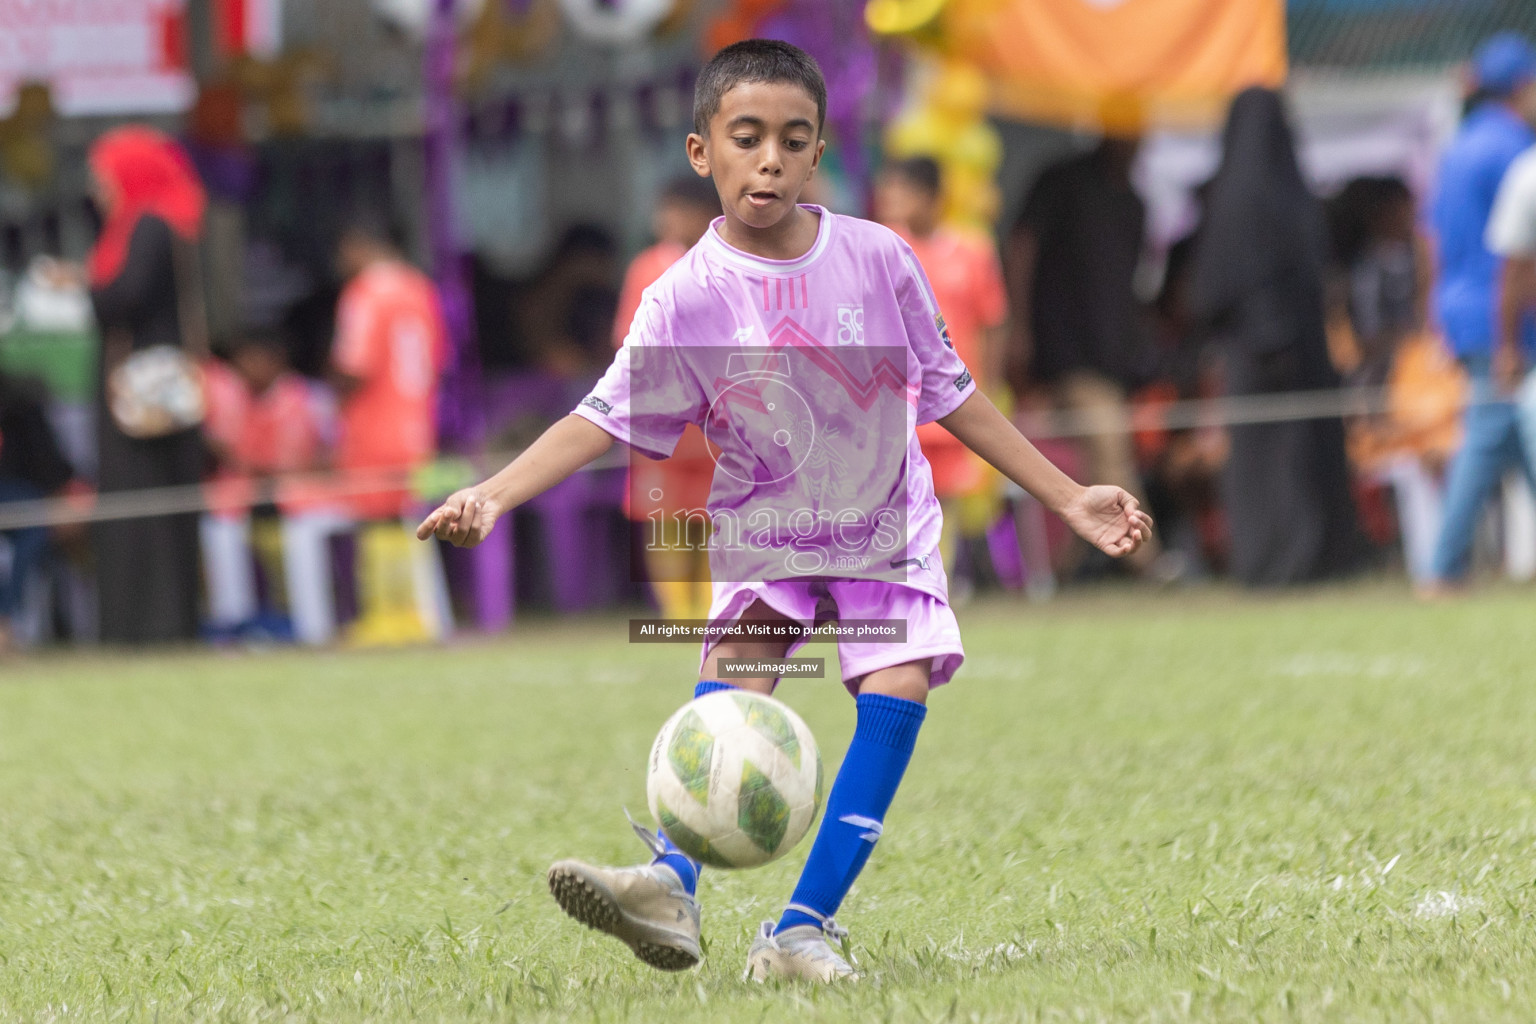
[866, 783]
[686, 867]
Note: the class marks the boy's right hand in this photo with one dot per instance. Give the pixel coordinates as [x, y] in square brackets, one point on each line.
[463, 520]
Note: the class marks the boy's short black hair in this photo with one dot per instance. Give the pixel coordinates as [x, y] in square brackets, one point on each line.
[921, 172]
[756, 60]
[252, 336]
[369, 224]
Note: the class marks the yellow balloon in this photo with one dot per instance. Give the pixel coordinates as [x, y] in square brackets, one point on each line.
[971, 196]
[921, 132]
[897, 17]
[979, 146]
[961, 91]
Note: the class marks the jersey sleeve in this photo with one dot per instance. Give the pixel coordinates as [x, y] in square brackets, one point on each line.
[648, 395]
[1512, 224]
[946, 383]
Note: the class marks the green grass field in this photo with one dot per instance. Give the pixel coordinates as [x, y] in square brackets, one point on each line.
[1135, 806]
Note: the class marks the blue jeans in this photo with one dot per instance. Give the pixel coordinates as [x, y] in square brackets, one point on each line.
[1525, 408]
[27, 546]
[1493, 442]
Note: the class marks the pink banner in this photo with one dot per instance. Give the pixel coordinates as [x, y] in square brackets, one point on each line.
[98, 56]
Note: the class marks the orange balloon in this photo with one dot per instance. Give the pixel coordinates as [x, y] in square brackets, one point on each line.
[725, 30]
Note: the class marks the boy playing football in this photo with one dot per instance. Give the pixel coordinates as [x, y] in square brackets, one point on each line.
[778, 302]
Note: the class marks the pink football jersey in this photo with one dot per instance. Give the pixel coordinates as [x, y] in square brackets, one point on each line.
[811, 376]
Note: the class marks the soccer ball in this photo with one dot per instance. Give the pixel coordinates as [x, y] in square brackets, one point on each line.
[734, 779]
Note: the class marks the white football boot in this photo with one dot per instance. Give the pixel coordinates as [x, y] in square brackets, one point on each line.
[645, 906]
[802, 953]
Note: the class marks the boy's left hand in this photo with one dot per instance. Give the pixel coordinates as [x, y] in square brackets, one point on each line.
[1110, 519]
[464, 519]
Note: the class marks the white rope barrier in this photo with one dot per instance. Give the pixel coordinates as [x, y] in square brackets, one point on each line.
[312, 487]
[1190, 414]
[1246, 410]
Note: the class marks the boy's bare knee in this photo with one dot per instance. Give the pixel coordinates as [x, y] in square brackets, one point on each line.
[746, 651]
[738, 646]
[908, 681]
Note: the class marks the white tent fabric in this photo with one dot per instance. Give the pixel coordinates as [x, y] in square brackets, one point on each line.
[1347, 126]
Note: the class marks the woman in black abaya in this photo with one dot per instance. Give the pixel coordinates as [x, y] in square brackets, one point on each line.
[147, 569]
[1258, 288]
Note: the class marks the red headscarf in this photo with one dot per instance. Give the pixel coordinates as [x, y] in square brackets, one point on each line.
[149, 173]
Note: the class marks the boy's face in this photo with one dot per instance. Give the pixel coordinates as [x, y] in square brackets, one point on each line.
[681, 223]
[259, 364]
[351, 256]
[901, 204]
[1398, 220]
[763, 146]
[1523, 99]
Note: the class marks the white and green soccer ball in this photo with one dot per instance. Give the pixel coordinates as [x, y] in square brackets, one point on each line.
[734, 779]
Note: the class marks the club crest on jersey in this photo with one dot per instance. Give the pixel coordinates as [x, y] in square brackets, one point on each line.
[592, 401]
[938, 321]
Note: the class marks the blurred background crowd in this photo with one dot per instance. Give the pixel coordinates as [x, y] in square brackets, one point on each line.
[276, 274]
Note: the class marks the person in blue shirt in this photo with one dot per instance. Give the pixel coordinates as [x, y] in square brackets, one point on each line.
[1497, 129]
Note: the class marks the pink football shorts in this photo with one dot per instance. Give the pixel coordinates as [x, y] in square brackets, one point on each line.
[932, 631]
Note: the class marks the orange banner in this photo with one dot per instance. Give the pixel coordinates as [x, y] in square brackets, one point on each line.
[1116, 63]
